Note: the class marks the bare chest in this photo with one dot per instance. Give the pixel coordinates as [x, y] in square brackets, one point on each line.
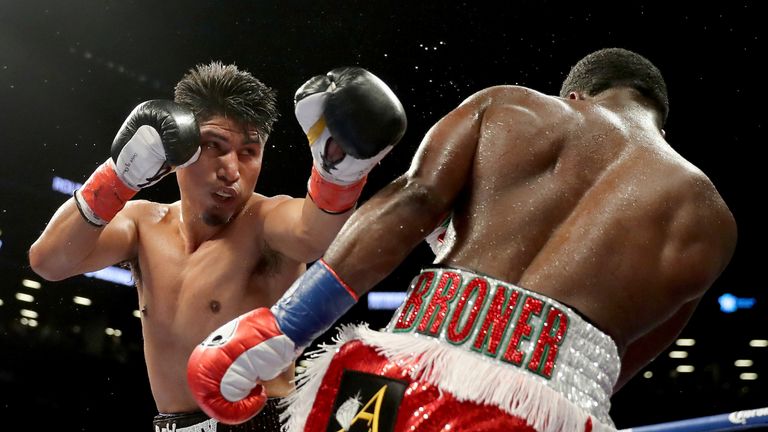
[184, 296]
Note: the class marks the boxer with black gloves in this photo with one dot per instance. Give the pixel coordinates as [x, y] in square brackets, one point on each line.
[221, 250]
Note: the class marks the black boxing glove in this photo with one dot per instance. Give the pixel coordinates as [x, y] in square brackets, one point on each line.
[156, 138]
[358, 112]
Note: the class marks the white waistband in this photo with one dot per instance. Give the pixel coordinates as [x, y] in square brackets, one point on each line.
[512, 329]
[205, 426]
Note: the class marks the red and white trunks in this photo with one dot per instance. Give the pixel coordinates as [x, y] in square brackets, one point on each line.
[464, 352]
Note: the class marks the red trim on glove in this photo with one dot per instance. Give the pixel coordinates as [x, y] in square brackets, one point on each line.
[104, 192]
[331, 197]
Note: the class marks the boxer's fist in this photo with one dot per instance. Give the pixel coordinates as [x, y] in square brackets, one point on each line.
[156, 138]
[352, 119]
[223, 372]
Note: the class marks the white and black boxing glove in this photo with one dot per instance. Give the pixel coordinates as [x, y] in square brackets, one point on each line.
[351, 109]
[158, 137]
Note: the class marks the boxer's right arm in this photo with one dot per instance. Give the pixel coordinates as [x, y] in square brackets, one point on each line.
[70, 246]
[93, 230]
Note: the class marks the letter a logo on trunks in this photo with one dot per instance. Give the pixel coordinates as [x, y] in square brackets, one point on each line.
[366, 403]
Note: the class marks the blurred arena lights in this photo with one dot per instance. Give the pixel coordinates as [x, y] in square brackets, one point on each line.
[113, 274]
[729, 303]
[385, 300]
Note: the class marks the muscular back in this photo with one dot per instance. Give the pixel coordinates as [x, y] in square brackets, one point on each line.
[589, 205]
[581, 200]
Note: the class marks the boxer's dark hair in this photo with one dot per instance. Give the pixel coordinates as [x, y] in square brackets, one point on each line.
[617, 67]
[217, 89]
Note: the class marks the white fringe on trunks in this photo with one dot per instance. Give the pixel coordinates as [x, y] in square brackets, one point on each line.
[465, 375]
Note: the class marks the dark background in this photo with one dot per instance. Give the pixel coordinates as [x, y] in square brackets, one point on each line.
[71, 71]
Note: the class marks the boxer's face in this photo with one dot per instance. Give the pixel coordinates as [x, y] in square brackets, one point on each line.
[219, 184]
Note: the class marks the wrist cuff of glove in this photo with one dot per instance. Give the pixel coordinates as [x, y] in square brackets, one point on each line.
[332, 197]
[103, 195]
[313, 304]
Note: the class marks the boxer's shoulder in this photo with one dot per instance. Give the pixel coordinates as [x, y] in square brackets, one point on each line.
[145, 212]
[510, 103]
[258, 205]
[251, 219]
[511, 94]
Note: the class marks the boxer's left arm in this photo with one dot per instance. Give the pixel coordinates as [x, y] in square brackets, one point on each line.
[352, 119]
[297, 228]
